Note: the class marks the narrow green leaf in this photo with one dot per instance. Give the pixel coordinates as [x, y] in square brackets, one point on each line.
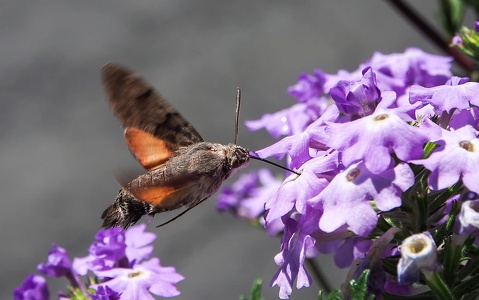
[359, 287]
[255, 293]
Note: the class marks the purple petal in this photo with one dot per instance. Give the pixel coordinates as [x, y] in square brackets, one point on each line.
[294, 192]
[372, 138]
[105, 293]
[295, 243]
[418, 253]
[58, 264]
[34, 287]
[456, 156]
[457, 93]
[357, 98]
[358, 186]
[137, 241]
[143, 278]
[309, 87]
[289, 121]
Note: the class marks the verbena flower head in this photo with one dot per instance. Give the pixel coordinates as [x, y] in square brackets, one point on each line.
[391, 145]
[120, 262]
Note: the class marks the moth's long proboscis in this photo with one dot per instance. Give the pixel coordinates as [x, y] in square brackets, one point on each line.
[274, 164]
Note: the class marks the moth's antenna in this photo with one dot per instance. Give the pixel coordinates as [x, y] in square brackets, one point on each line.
[238, 106]
[180, 214]
[274, 164]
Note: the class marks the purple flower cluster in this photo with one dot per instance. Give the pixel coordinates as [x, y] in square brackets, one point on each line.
[358, 140]
[119, 260]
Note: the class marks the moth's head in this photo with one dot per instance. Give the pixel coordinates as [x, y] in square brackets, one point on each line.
[237, 156]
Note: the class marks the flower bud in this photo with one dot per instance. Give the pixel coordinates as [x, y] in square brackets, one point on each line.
[418, 253]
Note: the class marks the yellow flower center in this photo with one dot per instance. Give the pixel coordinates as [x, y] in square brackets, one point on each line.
[381, 117]
[134, 274]
[467, 145]
[353, 174]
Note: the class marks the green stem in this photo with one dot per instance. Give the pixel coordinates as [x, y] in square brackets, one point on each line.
[437, 286]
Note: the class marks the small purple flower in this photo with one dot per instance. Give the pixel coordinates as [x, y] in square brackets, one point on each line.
[358, 186]
[357, 99]
[58, 264]
[110, 243]
[116, 247]
[456, 157]
[465, 117]
[333, 79]
[296, 190]
[418, 253]
[309, 87]
[476, 26]
[297, 146]
[457, 93]
[105, 293]
[141, 280]
[249, 193]
[231, 198]
[137, 242]
[398, 71]
[374, 137]
[302, 146]
[295, 244]
[291, 120]
[348, 250]
[468, 222]
[34, 287]
[457, 40]
[105, 253]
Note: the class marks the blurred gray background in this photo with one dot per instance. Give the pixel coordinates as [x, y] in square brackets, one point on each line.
[60, 146]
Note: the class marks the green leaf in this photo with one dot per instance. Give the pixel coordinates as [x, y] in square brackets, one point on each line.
[359, 287]
[335, 295]
[77, 294]
[255, 291]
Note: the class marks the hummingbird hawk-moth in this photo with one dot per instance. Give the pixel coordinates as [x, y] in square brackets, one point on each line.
[182, 169]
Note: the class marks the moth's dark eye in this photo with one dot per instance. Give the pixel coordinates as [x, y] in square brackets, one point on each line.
[146, 94]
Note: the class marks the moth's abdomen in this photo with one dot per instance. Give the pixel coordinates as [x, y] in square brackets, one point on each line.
[125, 211]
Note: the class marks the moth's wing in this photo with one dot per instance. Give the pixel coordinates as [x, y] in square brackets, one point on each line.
[138, 106]
[149, 150]
[165, 198]
[165, 193]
